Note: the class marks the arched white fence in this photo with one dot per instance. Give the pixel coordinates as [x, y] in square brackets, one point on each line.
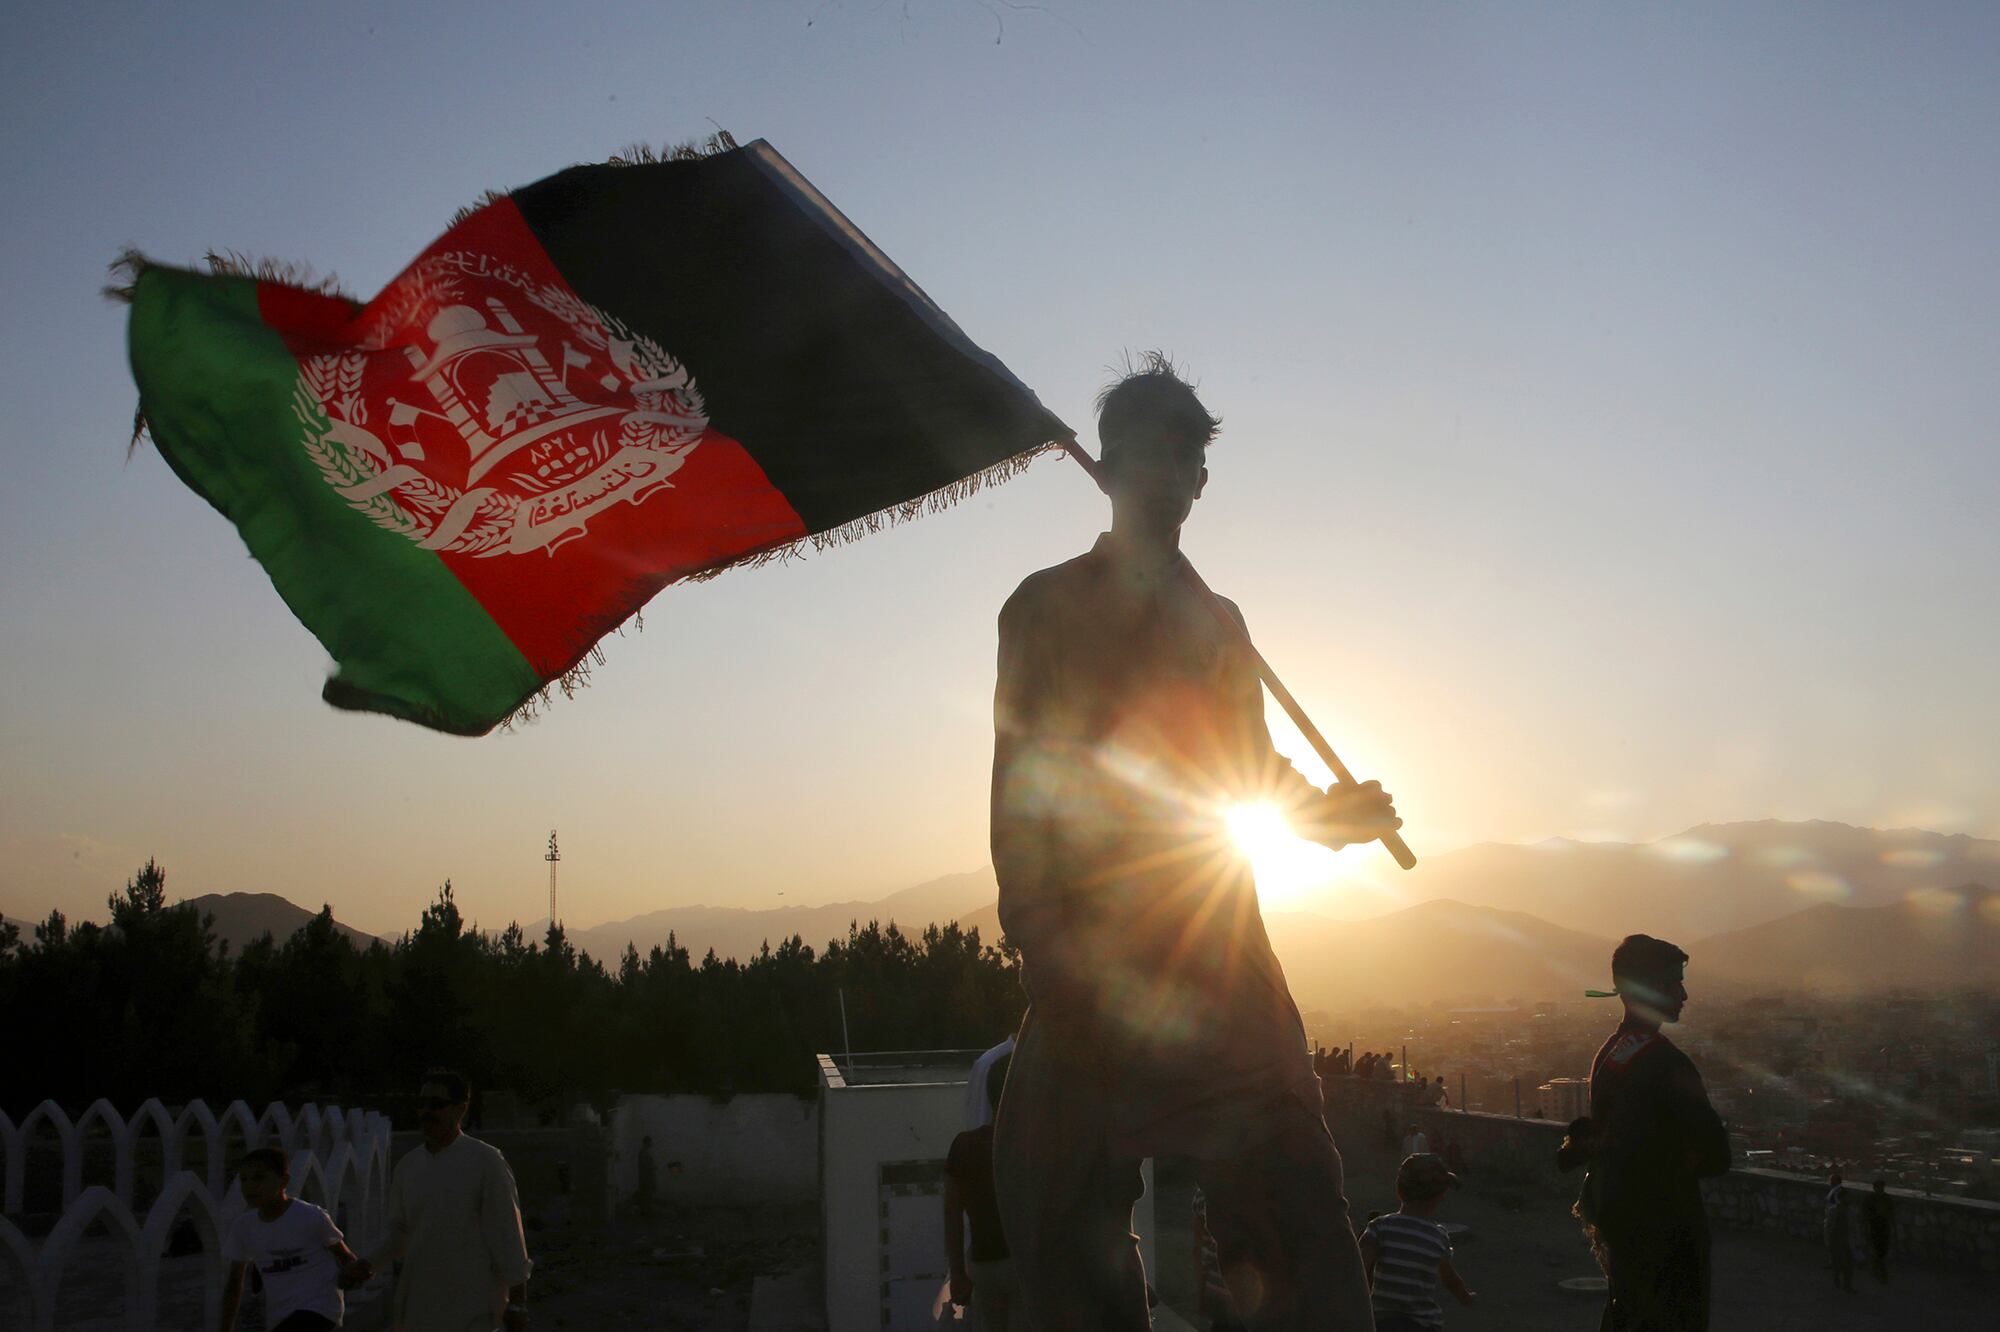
[340, 1160]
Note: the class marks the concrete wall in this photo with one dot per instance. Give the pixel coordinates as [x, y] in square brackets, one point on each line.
[861, 1127]
[743, 1149]
[339, 1160]
[1520, 1154]
[884, 1253]
[561, 1174]
[1956, 1232]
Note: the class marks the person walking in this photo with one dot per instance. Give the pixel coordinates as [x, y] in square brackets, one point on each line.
[298, 1252]
[1407, 1254]
[454, 1220]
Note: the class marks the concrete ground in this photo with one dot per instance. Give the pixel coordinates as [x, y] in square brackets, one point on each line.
[669, 1273]
[1518, 1249]
[708, 1271]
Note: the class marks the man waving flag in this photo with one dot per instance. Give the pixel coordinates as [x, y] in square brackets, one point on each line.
[612, 379]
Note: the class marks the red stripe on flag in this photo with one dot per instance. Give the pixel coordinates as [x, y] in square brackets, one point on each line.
[555, 603]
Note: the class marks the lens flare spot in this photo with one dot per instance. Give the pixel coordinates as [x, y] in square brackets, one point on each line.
[1688, 850]
[1784, 857]
[1936, 901]
[1912, 857]
[1821, 885]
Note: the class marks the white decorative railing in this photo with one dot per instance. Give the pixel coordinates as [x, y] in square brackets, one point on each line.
[339, 1158]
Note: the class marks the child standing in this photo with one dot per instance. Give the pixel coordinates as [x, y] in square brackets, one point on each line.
[1406, 1254]
[298, 1250]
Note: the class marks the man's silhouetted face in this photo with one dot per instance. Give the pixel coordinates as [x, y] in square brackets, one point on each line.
[1656, 999]
[1153, 479]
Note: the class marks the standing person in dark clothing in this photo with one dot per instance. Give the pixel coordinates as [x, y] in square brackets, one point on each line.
[983, 1277]
[648, 1184]
[1881, 1216]
[1650, 1138]
[1128, 721]
[1840, 1238]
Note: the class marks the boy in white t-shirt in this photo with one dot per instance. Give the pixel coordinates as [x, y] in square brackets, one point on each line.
[298, 1251]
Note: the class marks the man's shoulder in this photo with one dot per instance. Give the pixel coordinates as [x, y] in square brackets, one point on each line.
[482, 1149]
[1053, 584]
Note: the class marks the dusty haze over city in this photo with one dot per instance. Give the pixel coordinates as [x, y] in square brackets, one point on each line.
[1608, 448]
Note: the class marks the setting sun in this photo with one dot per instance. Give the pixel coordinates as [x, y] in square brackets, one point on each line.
[1259, 830]
[1288, 868]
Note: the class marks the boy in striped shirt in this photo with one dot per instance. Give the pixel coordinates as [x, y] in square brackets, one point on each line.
[1406, 1254]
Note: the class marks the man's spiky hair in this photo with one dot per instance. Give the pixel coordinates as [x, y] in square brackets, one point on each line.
[1150, 390]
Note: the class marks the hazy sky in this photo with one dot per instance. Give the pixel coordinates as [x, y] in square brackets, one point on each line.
[1609, 397]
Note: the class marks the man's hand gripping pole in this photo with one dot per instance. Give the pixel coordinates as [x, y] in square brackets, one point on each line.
[1391, 841]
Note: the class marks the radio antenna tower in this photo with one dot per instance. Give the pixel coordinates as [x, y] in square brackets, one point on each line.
[552, 857]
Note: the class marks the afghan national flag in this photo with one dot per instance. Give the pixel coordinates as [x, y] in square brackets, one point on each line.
[612, 379]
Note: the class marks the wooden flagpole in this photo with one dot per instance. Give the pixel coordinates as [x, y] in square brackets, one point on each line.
[1391, 841]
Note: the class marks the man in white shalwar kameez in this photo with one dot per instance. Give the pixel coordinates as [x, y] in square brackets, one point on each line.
[454, 1220]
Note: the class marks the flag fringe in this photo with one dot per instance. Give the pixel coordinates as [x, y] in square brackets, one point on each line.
[486, 200]
[689, 150]
[937, 501]
[634, 154]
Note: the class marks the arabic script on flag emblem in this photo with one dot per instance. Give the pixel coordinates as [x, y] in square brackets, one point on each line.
[488, 413]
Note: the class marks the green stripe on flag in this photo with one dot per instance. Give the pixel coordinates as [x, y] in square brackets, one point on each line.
[217, 386]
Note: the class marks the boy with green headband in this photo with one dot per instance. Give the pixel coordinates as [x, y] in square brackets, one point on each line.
[1650, 1139]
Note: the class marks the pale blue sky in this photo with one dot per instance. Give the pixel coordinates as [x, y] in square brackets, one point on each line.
[1610, 435]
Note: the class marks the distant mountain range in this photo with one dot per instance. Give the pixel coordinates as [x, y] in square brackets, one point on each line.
[1442, 951]
[1939, 939]
[1745, 900]
[1708, 880]
[736, 932]
[1766, 906]
[239, 919]
[243, 918]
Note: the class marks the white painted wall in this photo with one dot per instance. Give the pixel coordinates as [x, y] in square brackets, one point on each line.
[746, 1149]
[865, 1126]
[862, 1127]
[339, 1160]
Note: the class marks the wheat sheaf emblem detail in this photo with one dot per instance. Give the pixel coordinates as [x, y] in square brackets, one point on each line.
[486, 413]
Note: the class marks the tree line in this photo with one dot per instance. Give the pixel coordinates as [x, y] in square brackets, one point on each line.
[152, 1004]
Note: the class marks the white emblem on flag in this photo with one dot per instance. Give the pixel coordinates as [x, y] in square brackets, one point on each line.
[491, 414]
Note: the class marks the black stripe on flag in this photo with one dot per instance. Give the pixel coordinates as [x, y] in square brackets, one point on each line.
[847, 384]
